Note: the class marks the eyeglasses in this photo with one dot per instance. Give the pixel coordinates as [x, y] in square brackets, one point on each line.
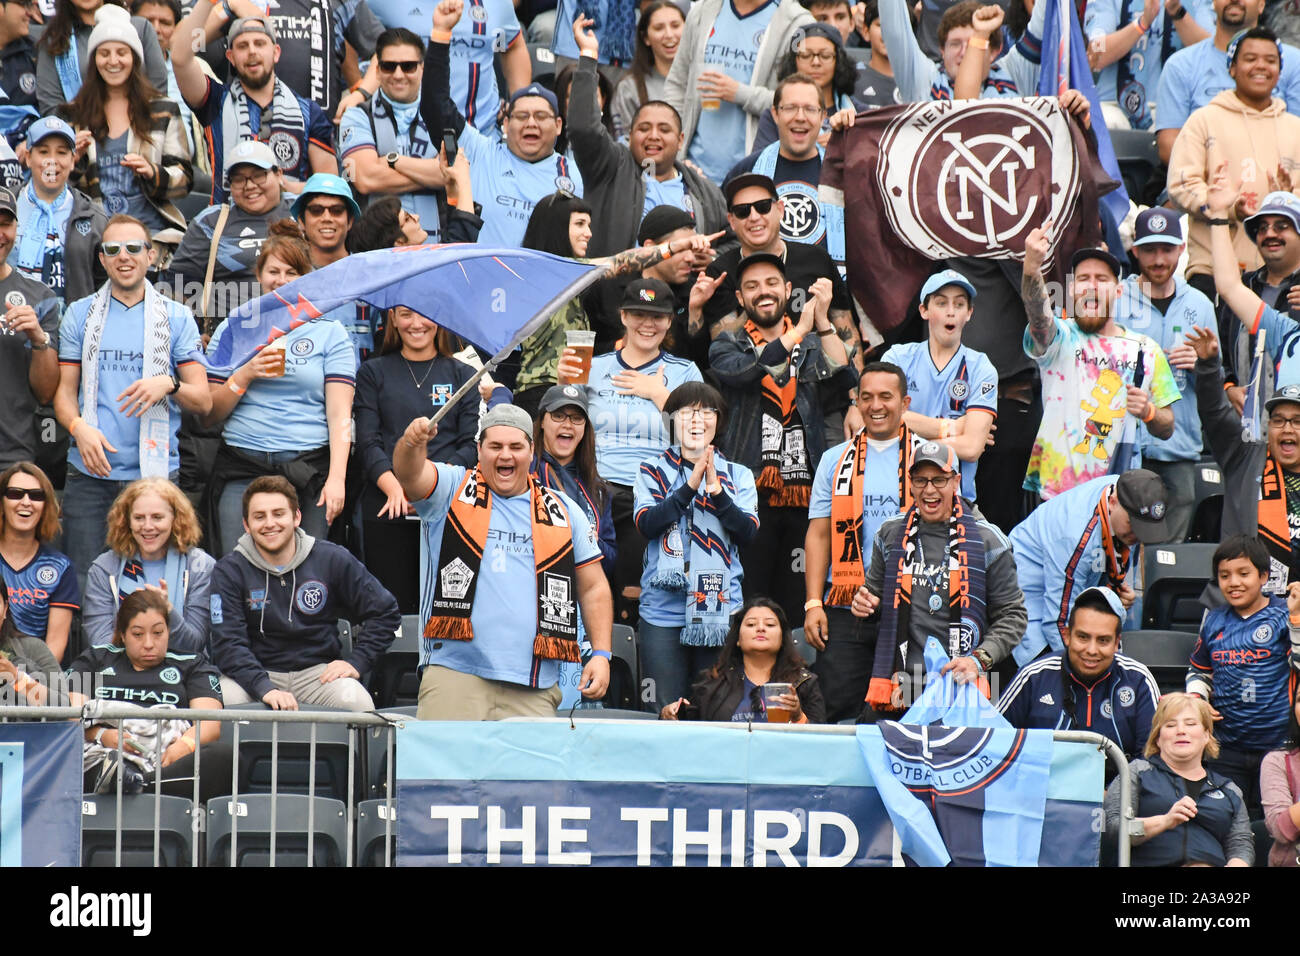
[255, 178]
[1279, 422]
[742, 209]
[538, 118]
[703, 414]
[133, 247]
[573, 418]
[18, 494]
[316, 209]
[793, 109]
[392, 66]
[818, 56]
[939, 482]
[1279, 226]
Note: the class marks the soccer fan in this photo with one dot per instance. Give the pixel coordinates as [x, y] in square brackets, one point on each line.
[1094, 373]
[1280, 794]
[40, 582]
[819, 55]
[658, 37]
[60, 62]
[510, 565]
[278, 641]
[1089, 685]
[1081, 538]
[875, 84]
[17, 69]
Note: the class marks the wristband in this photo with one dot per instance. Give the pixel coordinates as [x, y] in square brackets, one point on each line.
[1151, 413]
[24, 683]
[825, 333]
[1293, 620]
[188, 742]
[440, 36]
[979, 43]
[605, 654]
[1137, 22]
[99, 737]
[237, 389]
[1219, 222]
[943, 429]
[815, 602]
[1182, 12]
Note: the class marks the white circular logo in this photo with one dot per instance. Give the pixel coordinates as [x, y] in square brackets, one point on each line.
[758, 37]
[1263, 634]
[564, 182]
[801, 218]
[570, 391]
[1126, 696]
[47, 574]
[930, 448]
[115, 204]
[302, 347]
[958, 390]
[170, 675]
[1158, 510]
[27, 83]
[478, 13]
[1157, 223]
[311, 597]
[285, 147]
[15, 298]
[1215, 795]
[1106, 710]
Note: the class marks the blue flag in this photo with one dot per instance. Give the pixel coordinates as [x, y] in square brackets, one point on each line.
[1065, 66]
[960, 785]
[493, 297]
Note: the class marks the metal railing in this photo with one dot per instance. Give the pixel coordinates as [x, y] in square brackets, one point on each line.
[388, 724]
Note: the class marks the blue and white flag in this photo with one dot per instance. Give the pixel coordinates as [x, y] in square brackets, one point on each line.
[961, 786]
[493, 297]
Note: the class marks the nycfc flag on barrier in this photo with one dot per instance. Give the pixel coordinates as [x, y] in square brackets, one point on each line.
[950, 179]
[961, 786]
[40, 794]
[492, 297]
[646, 793]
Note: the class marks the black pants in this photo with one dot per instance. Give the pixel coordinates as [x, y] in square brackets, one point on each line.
[630, 558]
[773, 561]
[1242, 768]
[393, 556]
[1002, 468]
[844, 667]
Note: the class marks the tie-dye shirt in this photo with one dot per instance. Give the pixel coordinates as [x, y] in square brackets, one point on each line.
[1085, 378]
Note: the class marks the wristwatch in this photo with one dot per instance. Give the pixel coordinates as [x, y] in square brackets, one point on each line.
[44, 345]
[983, 658]
[1182, 12]
[392, 158]
[176, 384]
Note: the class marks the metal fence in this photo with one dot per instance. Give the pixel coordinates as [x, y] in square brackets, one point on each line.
[378, 769]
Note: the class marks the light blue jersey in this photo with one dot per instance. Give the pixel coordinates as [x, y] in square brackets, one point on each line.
[121, 362]
[969, 381]
[1059, 554]
[629, 429]
[504, 617]
[509, 187]
[879, 488]
[1134, 79]
[1188, 309]
[669, 193]
[1196, 75]
[732, 48]
[288, 413]
[486, 28]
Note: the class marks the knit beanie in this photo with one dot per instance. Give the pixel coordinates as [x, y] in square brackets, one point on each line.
[113, 24]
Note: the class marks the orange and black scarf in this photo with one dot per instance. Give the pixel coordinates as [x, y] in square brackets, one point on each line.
[1117, 559]
[1274, 529]
[463, 538]
[847, 571]
[785, 474]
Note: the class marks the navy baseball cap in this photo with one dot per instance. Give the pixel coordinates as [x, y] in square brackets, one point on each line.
[1143, 495]
[1084, 254]
[946, 277]
[1157, 226]
[535, 89]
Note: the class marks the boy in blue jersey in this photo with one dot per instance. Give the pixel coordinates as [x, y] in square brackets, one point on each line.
[954, 389]
[1245, 661]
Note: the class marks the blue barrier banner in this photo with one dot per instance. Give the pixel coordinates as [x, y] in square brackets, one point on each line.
[40, 794]
[633, 793]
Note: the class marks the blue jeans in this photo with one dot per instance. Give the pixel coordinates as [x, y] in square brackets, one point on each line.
[86, 501]
[230, 507]
[668, 664]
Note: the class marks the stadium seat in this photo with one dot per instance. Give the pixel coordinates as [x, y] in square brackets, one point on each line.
[193, 203]
[394, 682]
[1165, 653]
[175, 830]
[543, 61]
[625, 670]
[372, 821]
[806, 650]
[1174, 576]
[377, 752]
[1138, 158]
[1207, 512]
[253, 841]
[294, 747]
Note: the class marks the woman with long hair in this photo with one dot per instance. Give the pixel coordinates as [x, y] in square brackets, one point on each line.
[759, 650]
[61, 57]
[41, 582]
[819, 55]
[132, 152]
[658, 35]
[1279, 787]
[696, 509]
[287, 411]
[414, 375]
[153, 536]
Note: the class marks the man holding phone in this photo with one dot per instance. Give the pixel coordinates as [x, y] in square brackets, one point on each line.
[385, 146]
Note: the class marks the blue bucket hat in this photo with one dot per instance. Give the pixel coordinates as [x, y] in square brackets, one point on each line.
[326, 184]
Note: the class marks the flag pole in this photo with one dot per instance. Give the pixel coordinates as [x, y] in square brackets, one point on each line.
[1063, 47]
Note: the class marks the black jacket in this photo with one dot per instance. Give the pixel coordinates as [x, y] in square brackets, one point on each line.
[718, 697]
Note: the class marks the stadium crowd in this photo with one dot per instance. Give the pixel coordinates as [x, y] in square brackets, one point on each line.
[713, 444]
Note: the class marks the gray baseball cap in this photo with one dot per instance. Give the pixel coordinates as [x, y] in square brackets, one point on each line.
[511, 415]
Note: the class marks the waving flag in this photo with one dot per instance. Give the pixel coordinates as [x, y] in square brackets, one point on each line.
[493, 297]
[960, 785]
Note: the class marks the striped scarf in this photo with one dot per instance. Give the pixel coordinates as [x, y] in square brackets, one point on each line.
[847, 572]
[904, 560]
[283, 126]
[785, 475]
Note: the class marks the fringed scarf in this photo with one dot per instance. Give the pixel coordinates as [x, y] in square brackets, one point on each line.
[847, 571]
[696, 556]
[131, 577]
[785, 475]
[904, 560]
[283, 126]
[1274, 528]
[464, 537]
[155, 424]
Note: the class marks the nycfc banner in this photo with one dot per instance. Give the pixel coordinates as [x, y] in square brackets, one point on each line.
[634, 793]
[953, 179]
[40, 794]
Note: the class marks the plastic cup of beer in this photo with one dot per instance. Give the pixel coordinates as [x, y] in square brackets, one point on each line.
[776, 710]
[584, 343]
[276, 349]
[711, 103]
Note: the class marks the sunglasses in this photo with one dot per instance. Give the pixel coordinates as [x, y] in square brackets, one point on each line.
[133, 247]
[18, 494]
[316, 209]
[742, 209]
[392, 66]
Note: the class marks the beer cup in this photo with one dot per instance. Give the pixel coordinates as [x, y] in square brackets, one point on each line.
[584, 343]
[776, 711]
[276, 349]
